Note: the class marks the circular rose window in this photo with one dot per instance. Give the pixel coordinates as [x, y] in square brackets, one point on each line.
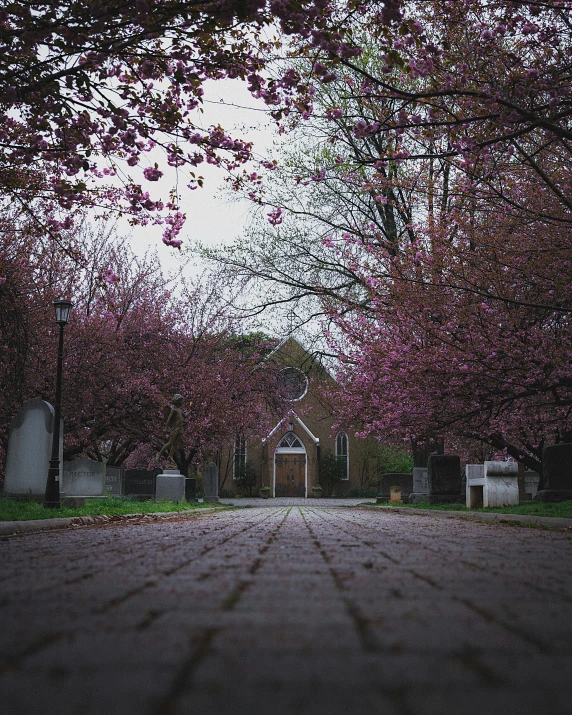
[294, 383]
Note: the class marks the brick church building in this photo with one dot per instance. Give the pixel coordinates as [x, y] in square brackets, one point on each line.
[287, 459]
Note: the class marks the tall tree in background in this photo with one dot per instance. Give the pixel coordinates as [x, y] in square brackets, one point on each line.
[136, 337]
[434, 197]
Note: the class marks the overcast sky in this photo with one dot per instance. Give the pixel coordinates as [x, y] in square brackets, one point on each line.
[212, 216]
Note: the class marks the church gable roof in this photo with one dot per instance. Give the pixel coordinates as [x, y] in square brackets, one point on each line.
[292, 353]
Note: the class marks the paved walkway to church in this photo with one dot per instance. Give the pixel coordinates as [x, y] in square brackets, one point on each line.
[287, 610]
[296, 501]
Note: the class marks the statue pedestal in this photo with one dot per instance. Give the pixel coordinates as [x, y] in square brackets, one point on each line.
[170, 486]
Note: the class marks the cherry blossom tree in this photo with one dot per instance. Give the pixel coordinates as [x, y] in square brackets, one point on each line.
[435, 184]
[135, 338]
[86, 92]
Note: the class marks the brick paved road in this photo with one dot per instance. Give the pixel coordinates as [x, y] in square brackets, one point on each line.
[286, 610]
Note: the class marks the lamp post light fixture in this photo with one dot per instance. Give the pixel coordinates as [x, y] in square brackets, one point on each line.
[52, 495]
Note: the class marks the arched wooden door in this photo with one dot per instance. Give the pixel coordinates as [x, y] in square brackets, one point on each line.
[290, 474]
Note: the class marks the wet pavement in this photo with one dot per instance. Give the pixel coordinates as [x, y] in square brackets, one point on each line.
[287, 609]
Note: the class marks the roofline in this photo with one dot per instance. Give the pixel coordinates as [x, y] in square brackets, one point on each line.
[291, 337]
[312, 436]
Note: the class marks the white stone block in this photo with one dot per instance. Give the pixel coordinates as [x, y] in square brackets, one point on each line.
[501, 484]
[531, 482]
[474, 489]
[83, 478]
[501, 469]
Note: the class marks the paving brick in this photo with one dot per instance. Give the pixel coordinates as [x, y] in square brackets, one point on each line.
[306, 607]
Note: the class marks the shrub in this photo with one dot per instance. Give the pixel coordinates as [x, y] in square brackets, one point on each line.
[392, 459]
[359, 492]
[246, 478]
[332, 470]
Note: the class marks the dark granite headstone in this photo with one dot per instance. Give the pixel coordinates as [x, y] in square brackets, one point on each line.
[190, 489]
[211, 483]
[394, 479]
[444, 478]
[557, 472]
[140, 483]
[113, 480]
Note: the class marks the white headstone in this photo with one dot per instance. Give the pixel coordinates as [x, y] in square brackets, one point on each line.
[501, 484]
[29, 450]
[420, 480]
[420, 484]
[83, 478]
[531, 482]
[475, 485]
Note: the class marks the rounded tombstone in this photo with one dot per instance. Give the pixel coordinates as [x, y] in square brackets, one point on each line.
[29, 450]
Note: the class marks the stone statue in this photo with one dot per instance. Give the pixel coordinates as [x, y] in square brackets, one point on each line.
[174, 419]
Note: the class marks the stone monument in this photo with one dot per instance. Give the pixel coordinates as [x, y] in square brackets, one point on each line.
[396, 487]
[190, 489]
[444, 479]
[174, 422]
[557, 472]
[531, 482]
[140, 483]
[29, 450]
[420, 484]
[211, 483]
[475, 485]
[170, 486]
[113, 480]
[501, 484]
[83, 478]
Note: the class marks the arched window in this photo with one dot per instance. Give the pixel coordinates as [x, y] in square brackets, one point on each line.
[239, 456]
[290, 441]
[342, 451]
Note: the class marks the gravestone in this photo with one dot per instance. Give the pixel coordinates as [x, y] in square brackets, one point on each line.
[531, 482]
[170, 486]
[140, 483]
[211, 483]
[402, 482]
[501, 484]
[420, 484]
[395, 494]
[557, 472]
[29, 450]
[475, 485]
[190, 489]
[113, 480]
[83, 478]
[444, 478]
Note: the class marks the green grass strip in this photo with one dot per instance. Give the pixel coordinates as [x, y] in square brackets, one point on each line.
[558, 509]
[20, 510]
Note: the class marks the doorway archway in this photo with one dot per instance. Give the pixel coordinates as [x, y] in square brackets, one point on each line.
[290, 467]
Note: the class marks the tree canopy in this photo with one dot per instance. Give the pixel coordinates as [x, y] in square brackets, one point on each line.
[425, 211]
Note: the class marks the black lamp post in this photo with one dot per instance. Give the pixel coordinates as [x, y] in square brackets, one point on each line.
[52, 496]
